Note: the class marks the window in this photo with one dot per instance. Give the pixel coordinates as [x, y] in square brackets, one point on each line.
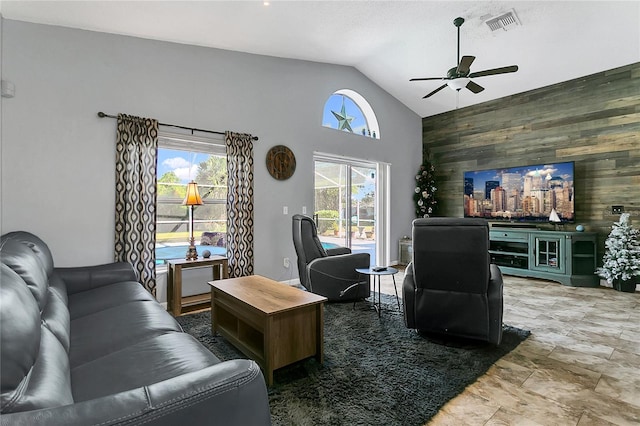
[348, 111]
[182, 158]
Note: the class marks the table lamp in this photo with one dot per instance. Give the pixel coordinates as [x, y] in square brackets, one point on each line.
[192, 199]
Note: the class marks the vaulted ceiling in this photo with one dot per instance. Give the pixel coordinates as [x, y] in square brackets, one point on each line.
[388, 41]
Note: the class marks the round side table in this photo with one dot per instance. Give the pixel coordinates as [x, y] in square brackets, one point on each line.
[376, 274]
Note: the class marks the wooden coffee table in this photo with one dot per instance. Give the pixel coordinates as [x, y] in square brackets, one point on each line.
[270, 322]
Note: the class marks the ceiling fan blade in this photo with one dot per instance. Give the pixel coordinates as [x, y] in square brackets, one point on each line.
[465, 64]
[427, 78]
[435, 91]
[503, 70]
[474, 87]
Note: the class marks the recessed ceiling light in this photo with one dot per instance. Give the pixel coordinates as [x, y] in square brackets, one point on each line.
[266, 3]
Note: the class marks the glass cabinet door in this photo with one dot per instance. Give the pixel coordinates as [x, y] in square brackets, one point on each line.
[548, 254]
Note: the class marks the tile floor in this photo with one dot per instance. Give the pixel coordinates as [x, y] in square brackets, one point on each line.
[580, 366]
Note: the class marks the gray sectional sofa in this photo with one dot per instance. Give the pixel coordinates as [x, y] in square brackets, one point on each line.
[90, 346]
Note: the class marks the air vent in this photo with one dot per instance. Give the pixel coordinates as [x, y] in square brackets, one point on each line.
[505, 21]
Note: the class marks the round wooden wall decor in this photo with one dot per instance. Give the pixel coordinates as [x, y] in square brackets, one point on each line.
[281, 162]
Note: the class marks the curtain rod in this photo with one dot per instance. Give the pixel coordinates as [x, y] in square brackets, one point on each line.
[103, 115]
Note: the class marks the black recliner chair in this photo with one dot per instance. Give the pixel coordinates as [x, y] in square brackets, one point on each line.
[450, 287]
[330, 273]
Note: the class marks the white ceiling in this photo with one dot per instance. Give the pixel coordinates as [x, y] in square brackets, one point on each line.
[388, 41]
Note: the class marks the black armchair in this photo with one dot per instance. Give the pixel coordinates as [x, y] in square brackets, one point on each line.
[450, 287]
[330, 273]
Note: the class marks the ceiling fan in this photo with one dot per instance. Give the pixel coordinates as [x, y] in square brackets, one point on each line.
[460, 76]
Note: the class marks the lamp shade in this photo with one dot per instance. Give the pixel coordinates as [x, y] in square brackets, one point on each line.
[193, 196]
[458, 83]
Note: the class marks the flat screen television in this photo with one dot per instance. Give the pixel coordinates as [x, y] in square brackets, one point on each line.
[536, 193]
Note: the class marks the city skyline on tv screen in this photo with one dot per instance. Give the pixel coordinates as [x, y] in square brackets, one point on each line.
[535, 193]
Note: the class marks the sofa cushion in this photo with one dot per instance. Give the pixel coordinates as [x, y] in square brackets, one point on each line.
[48, 383]
[25, 263]
[58, 286]
[141, 364]
[55, 316]
[19, 332]
[113, 329]
[26, 254]
[106, 297]
[37, 246]
[34, 366]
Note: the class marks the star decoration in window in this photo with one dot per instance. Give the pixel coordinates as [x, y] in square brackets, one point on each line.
[344, 121]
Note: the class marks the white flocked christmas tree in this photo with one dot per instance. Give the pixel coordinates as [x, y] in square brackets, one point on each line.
[622, 258]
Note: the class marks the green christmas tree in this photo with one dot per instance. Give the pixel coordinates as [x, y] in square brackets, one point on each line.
[622, 258]
[424, 195]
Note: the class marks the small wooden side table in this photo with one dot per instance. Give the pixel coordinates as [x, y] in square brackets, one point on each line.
[178, 305]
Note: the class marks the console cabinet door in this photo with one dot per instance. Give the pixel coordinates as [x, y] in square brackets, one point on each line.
[548, 253]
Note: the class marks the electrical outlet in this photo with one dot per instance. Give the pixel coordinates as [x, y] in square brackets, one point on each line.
[286, 262]
[617, 209]
[304, 209]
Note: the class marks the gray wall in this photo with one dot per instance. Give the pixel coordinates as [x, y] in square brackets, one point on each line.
[58, 156]
[1, 114]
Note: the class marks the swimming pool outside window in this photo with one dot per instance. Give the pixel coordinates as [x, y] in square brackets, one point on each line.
[180, 160]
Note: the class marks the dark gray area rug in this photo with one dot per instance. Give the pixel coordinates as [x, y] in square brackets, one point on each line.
[375, 371]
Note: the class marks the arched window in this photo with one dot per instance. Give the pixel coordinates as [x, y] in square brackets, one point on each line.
[348, 111]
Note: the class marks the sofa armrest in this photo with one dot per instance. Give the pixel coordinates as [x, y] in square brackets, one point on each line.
[229, 393]
[408, 296]
[89, 277]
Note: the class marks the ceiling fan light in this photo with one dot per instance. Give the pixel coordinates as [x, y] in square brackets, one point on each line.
[458, 83]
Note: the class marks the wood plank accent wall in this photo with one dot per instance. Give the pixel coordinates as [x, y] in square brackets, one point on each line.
[593, 120]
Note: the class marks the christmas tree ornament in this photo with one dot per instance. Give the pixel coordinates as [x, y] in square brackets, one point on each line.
[424, 196]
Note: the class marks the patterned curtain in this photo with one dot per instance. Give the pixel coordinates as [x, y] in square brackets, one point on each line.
[239, 204]
[136, 153]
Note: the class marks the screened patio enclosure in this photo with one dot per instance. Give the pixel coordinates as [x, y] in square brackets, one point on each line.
[345, 204]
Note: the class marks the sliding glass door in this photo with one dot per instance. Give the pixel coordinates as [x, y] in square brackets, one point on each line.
[346, 199]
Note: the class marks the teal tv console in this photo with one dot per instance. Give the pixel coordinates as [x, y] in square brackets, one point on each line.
[566, 257]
